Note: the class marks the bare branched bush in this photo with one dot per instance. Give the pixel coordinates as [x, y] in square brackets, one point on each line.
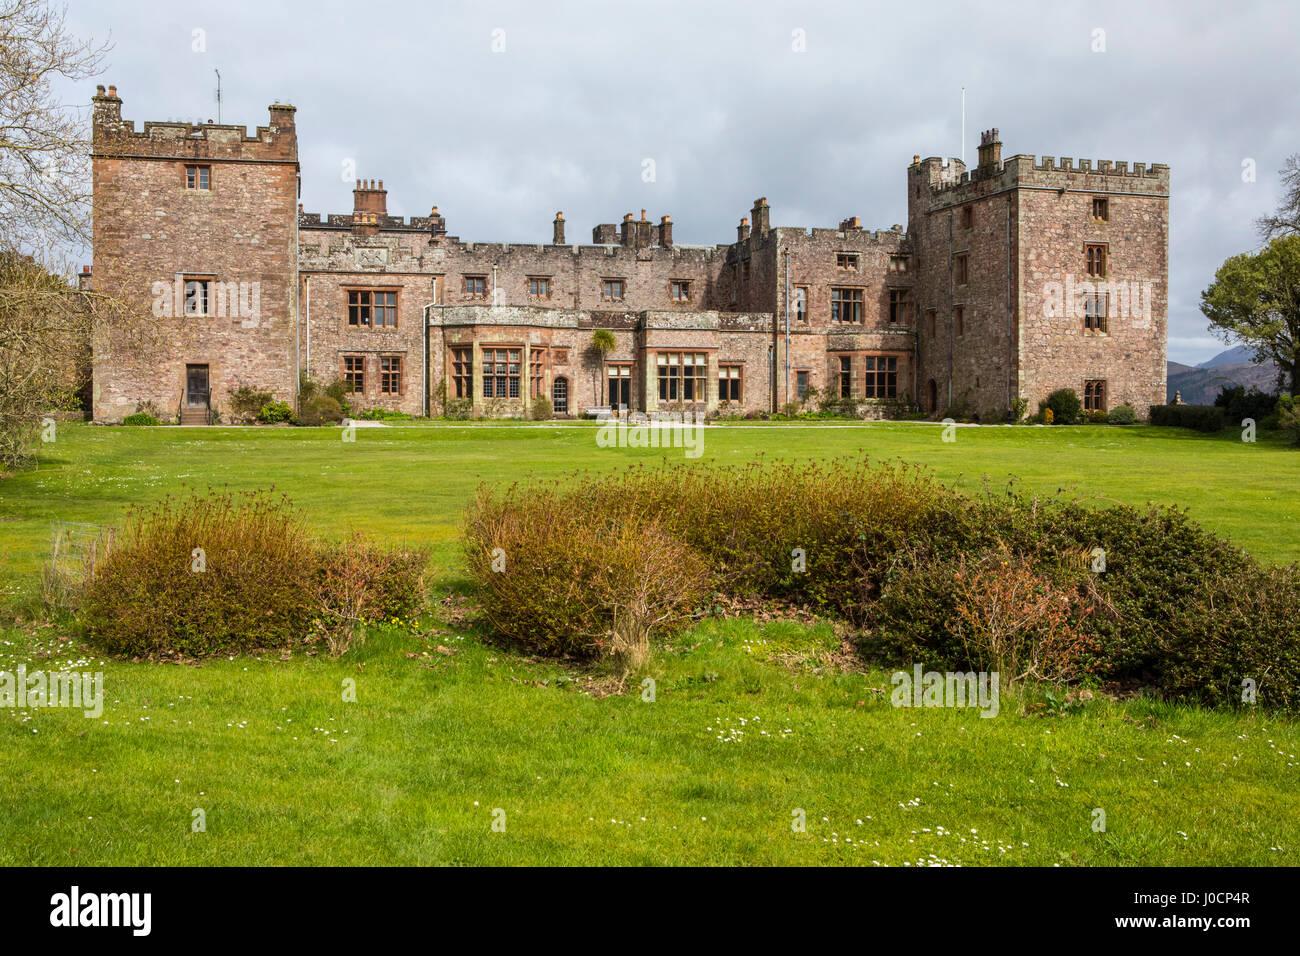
[558, 576]
[361, 583]
[1018, 622]
[219, 572]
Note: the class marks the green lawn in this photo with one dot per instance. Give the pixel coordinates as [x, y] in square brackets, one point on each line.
[749, 723]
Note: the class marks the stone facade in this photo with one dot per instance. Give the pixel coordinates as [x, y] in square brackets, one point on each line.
[416, 320]
[187, 258]
[1029, 317]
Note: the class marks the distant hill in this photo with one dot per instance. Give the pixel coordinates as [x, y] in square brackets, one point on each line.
[1200, 385]
[1237, 355]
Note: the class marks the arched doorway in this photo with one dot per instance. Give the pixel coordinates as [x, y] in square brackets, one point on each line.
[560, 396]
[933, 388]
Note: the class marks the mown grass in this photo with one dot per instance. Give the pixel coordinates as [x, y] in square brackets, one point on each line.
[448, 727]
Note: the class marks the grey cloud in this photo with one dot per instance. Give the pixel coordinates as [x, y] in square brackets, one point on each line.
[715, 95]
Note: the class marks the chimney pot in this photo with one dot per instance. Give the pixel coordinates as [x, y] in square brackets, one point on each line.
[643, 215]
[85, 270]
[112, 90]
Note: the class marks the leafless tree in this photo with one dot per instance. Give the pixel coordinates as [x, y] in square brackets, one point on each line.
[44, 143]
[1286, 221]
[46, 324]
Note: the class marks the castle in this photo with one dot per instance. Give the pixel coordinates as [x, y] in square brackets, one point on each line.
[1012, 279]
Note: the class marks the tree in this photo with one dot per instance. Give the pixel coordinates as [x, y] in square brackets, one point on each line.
[1255, 300]
[44, 143]
[602, 343]
[1286, 221]
[44, 353]
[46, 323]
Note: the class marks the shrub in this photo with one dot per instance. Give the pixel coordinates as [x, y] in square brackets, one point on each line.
[541, 409]
[220, 573]
[383, 415]
[1047, 588]
[318, 410]
[1156, 560]
[246, 402]
[1239, 404]
[1237, 627]
[1064, 405]
[309, 390]
[558, 576]
[1202, 418]
[273, 413]
[1098, 416]
[203, 574]
[1016, 621]
[1288, 417]
[362, 583]
[1122, 415]
[458, 409]
[1018, 409]
[140, 418]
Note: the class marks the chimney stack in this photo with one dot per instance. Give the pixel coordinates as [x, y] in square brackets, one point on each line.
[557, 230]
[281, 115]
[762, 217]
[990, 154]
[666, 231]
[853, 222]
[627, 230]
[369, 205]
[742, 231]
[107, 113]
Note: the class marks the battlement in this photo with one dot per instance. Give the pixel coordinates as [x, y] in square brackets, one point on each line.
[1103, 167]
[345, 221]
[1028, 170]
[887, 237]
[276, 141]
[616, 252]
[847, 235]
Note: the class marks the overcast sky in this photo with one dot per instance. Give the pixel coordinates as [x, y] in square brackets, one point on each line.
[502, 113]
